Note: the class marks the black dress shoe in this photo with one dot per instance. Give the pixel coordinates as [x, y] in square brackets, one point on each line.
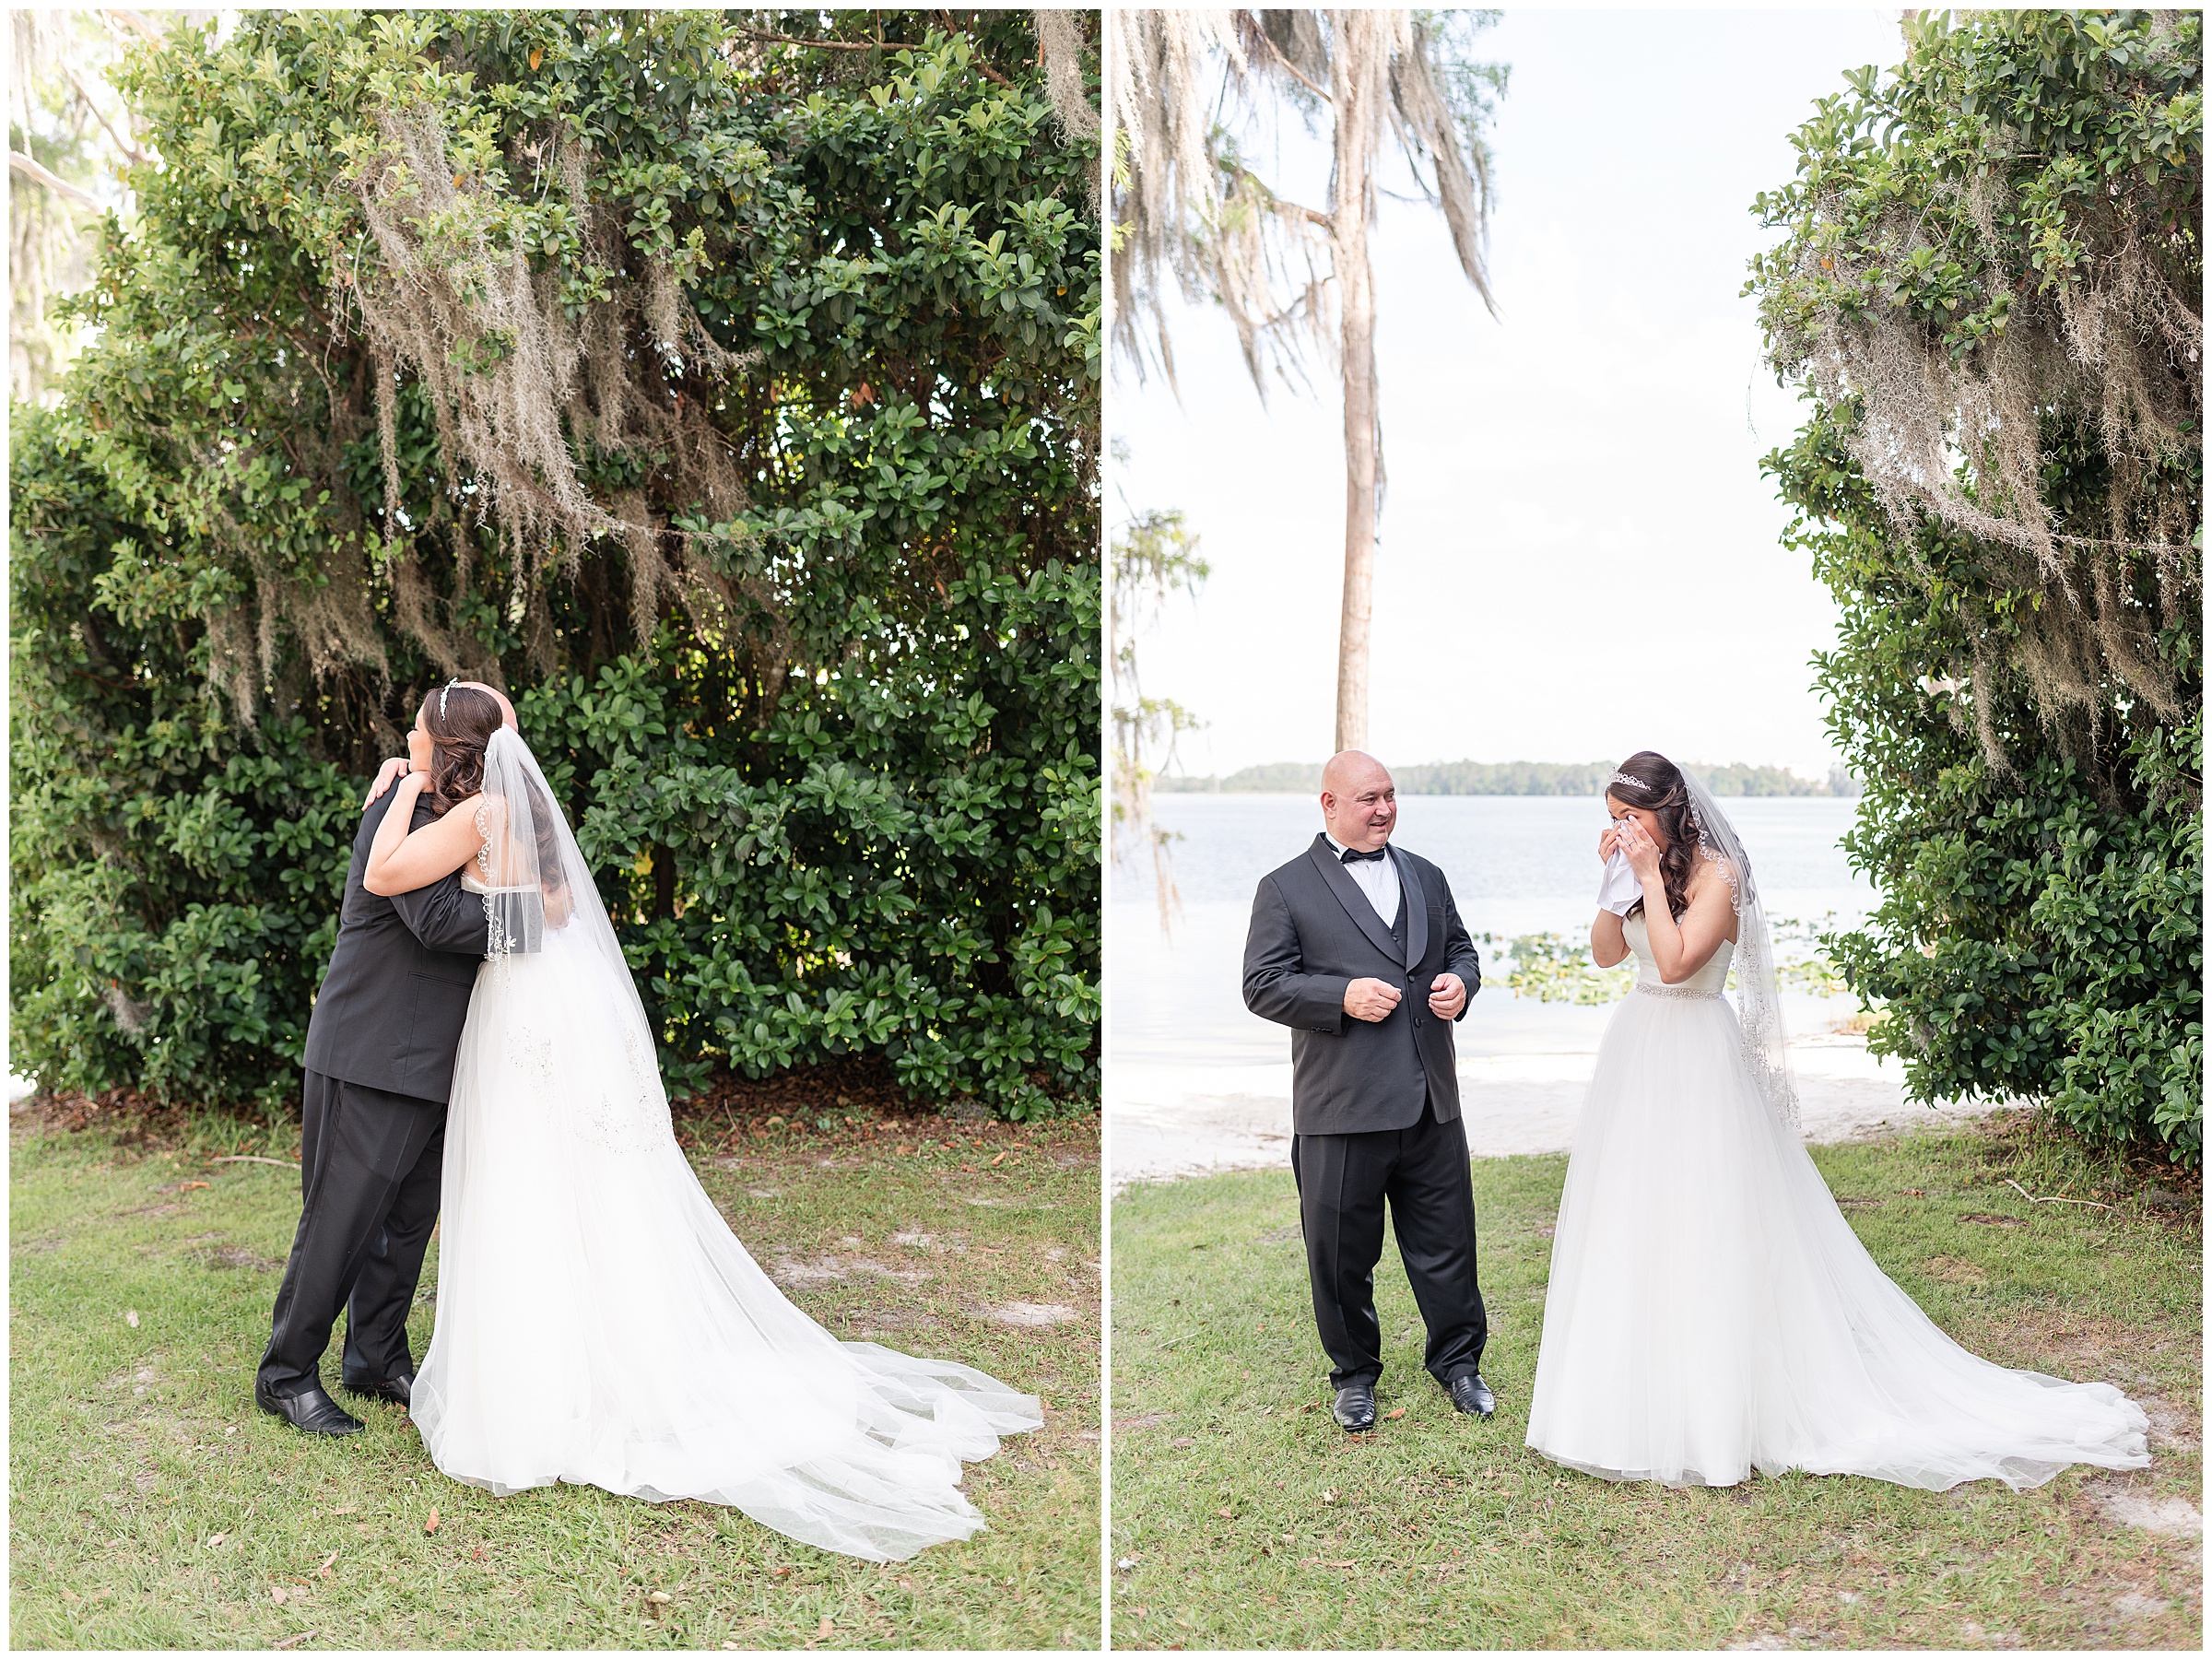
[399, 1389]
[1355, 1407]
[1470, 1394]
[310, 1410]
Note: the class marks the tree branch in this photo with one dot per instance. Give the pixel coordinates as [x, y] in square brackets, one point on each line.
[19, 162]
[1287, 67]
[138, 21]
[136, 154]
[762, 34]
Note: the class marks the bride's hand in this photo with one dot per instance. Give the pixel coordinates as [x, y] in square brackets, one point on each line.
[392, 770]
[1608, 840]
[1642, 852]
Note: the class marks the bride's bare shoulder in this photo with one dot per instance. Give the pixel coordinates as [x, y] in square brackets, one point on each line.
[1711, 870]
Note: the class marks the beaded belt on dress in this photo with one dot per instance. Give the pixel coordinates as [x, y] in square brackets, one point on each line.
[1673, 991]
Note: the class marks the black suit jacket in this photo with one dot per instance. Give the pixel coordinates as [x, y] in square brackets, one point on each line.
[1313, 933]
[392, 1005]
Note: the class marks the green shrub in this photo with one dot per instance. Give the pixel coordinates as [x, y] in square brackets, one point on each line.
[2001, 479]
[791, 560]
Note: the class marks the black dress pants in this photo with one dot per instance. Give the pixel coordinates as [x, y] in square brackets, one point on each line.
[1342, 1182]
[370, 1163]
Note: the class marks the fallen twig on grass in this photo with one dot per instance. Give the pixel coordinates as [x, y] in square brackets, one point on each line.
[2052, 1198]
[253, 1158]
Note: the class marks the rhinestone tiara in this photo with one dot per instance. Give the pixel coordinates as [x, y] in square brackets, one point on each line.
[1626, 778]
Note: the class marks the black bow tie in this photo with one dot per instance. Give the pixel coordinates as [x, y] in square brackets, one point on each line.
[1352, 853]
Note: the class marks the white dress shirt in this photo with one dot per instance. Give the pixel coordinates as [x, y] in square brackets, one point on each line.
[1378, 879]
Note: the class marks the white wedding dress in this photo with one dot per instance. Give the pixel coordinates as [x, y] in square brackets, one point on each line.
[598, 1322]
[1711, 1312]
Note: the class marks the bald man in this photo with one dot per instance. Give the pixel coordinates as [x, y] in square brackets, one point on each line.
[379, 1065]
[1356, 947]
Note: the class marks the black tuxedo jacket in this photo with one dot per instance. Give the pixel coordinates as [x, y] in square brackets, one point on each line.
[1313, 933]
[392, 1005]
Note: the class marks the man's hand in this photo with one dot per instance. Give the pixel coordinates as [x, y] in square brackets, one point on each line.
[1447, 996]
[1371, 999]
[386, 776]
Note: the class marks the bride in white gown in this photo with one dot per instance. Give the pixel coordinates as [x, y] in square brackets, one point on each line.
[597, 1322]
[1710, 1311]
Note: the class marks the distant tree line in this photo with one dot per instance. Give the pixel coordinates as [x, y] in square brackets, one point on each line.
[1511, 778]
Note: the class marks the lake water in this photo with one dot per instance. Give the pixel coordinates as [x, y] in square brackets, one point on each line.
[1517, 864]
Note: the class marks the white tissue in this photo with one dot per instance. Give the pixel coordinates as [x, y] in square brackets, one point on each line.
[1621, 888]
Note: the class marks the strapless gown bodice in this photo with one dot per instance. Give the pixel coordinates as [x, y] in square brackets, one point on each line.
[1707, 980]
[469, 882]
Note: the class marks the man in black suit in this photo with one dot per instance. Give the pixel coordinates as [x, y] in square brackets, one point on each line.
[380, 1046]
[1356, 947]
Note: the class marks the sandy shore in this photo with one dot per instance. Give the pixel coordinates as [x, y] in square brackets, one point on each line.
[1168, 1122]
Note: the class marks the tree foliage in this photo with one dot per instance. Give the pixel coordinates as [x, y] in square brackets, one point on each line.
[725, 386]
[66, 139]
[1990, 287]
[1192, 214]
[1154, 555]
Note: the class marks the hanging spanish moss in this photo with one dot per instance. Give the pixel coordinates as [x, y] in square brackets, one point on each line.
[2038, 394]
[521, 390]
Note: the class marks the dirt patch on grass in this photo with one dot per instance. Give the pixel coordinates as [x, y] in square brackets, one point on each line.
[2067, 1343]
[1031, 1313]
[238, 1257]
[830, 1269]
[1954, 1270]
[127, 1117]
[2125, 1505]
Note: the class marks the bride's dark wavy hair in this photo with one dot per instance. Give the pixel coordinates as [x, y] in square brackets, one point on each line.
[1659, 790]
[459, 722]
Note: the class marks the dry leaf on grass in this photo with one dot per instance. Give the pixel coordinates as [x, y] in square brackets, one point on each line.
[130, 1317]
[325, 1569]
[1395, 1412]
[431, 1526]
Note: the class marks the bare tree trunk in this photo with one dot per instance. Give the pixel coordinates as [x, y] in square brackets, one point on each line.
[1355, 295]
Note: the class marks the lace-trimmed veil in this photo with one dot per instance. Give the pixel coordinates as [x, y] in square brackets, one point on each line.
[1757, 991]
[534, 872]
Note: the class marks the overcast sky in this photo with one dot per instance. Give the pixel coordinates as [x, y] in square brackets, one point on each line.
[1579, 557]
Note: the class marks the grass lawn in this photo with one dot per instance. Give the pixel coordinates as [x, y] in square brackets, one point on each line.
[1245, 1518]
[154, 1506]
